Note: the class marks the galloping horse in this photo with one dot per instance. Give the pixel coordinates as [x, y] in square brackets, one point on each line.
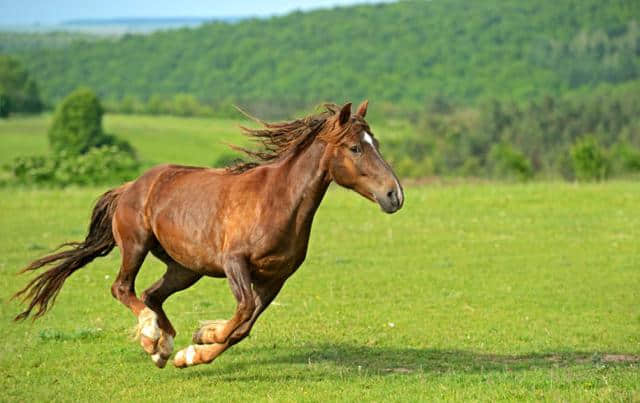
[249, 222]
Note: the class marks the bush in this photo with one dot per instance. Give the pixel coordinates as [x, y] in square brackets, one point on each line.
[589, 159]
[99, 166]
[77, 126]
[103, 165]
[32, 170]
[82, 154]
[507, 162]
[625, 158]
[77, 123]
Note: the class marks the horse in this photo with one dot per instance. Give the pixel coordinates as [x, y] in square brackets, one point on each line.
[249, 222]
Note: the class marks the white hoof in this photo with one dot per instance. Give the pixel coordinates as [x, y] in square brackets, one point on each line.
[185, 357]
[159, 360]
[148, 330]
[148, 324]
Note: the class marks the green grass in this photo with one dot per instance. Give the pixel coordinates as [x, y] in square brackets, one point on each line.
[471, 292]
[157, 139]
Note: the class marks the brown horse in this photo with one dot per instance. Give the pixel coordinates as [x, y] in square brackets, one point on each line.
[249, 223]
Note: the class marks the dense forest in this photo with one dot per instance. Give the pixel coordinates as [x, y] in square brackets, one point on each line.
[492, 88]
[407, 52]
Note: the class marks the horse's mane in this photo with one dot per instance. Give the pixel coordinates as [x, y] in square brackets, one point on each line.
[279, 139]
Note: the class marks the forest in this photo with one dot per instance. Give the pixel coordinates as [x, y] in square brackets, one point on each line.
[503, 89]
[406, 52]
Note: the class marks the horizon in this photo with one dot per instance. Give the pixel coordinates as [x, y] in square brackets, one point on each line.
[45, 13]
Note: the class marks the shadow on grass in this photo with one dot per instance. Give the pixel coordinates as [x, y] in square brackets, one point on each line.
[344, 360]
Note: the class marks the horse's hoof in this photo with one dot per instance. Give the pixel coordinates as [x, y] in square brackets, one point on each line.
[160, 361]
[148, 330]
[185, 357]
[163, 350]
[207, 333]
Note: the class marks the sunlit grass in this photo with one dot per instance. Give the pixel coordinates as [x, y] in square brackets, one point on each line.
[471, 292]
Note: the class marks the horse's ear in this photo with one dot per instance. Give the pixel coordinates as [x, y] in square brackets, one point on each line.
[362, 109]
[345, 113]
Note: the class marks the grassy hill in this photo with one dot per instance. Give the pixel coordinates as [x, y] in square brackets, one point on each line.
[405, 52]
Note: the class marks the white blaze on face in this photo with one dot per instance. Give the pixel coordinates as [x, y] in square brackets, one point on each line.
[367, 138]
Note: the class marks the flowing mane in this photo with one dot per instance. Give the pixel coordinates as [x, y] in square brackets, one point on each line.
[279, 139]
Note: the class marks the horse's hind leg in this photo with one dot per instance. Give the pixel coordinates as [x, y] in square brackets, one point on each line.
[134, 241]
[157, 334]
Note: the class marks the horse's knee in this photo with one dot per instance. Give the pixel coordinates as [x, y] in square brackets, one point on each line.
[120, 291]
[115, 290]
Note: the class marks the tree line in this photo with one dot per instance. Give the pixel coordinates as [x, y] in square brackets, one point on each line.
[405, 52]
[575, 136]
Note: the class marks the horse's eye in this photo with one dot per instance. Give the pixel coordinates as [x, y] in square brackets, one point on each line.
[355, 149]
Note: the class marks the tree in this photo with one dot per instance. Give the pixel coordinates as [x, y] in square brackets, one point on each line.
[77, 124]
[18, 92]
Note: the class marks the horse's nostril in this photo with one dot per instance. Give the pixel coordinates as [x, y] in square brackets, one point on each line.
[393, 197]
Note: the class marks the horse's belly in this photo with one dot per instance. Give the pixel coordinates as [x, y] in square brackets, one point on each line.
[191, 252]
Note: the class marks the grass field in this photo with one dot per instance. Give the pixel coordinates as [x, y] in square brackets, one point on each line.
[157, 139]
[471, 292]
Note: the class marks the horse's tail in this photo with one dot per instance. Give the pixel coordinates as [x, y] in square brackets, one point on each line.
[43, 289]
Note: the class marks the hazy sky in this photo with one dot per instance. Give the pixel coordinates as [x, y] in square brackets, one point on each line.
[17, 12]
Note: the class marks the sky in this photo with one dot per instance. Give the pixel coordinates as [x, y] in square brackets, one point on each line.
[21, 12]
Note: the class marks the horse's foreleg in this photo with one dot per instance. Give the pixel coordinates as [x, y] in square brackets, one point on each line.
[263, 294]
[156, 331]
[239, 276]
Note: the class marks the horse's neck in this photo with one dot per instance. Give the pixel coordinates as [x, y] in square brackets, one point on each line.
[307, 181]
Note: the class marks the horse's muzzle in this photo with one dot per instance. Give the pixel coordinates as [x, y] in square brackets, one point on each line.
[392, 201]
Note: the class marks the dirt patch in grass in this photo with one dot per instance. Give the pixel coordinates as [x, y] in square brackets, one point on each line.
[620, 358]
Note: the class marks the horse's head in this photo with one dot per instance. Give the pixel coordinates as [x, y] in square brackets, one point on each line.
[355, 161]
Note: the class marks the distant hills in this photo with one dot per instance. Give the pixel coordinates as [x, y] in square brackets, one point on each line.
[403, 53]
[118, 26]
[139, 25]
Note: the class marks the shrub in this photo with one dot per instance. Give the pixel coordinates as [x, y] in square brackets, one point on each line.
[625, 158]
[405, 167]
[77, 126]
[507, 162]
[32, 170]
[589, 159]
[82, 154]
[77, 123]
[103, 165]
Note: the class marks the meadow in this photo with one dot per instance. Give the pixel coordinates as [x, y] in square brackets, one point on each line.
[478, 291]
